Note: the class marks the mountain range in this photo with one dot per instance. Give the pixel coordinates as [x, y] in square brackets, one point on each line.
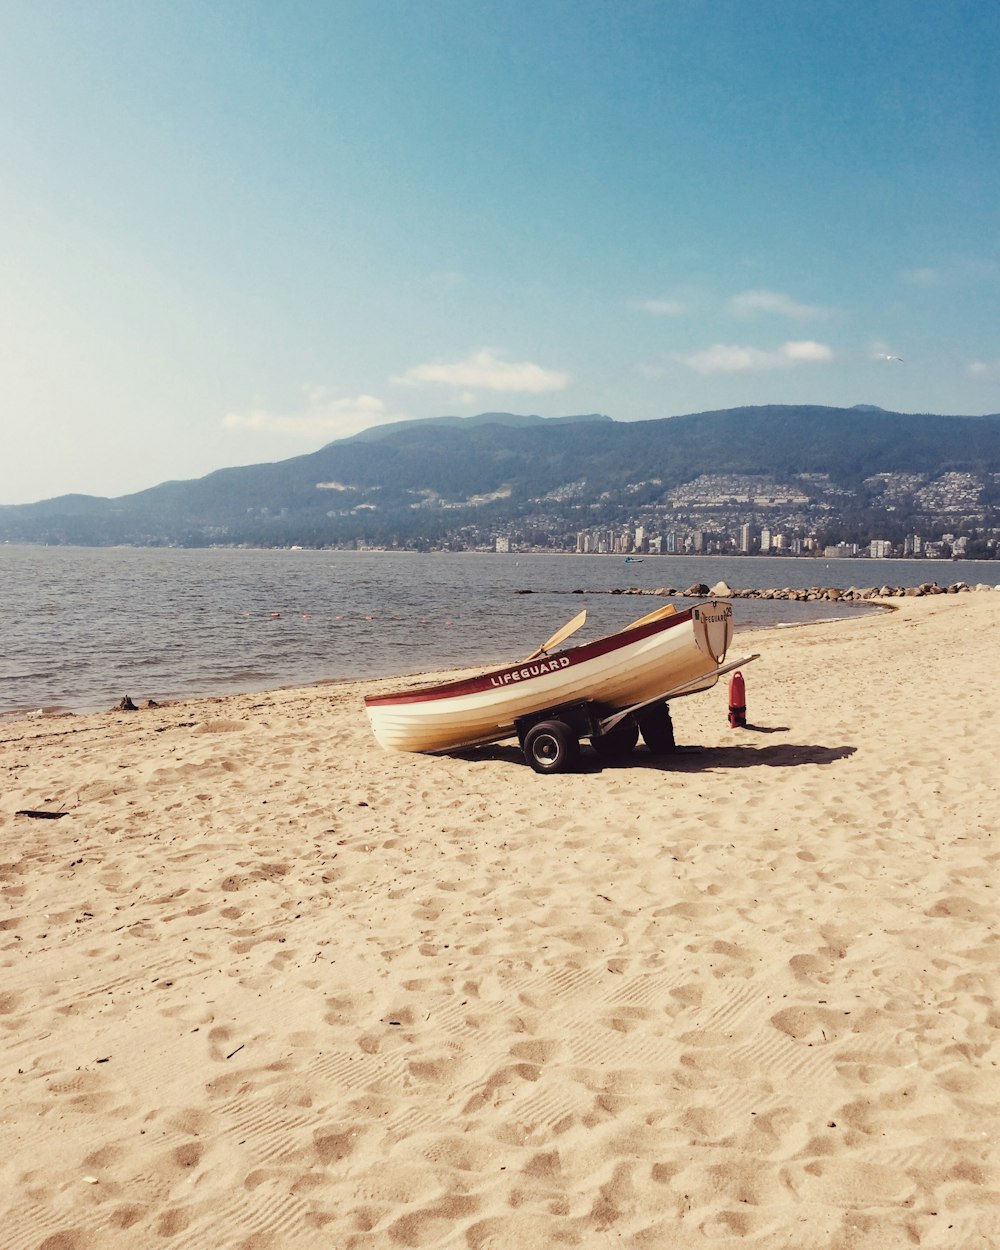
[419, 482]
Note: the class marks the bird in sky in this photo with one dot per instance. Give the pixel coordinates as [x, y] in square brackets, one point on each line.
[885, 356]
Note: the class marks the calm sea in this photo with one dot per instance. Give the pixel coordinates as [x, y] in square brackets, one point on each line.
[82, 627]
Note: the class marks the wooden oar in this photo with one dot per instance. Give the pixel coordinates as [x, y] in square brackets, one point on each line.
[668, 609]
[569, 628]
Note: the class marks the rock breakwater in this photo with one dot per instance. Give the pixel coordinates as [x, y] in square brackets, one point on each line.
[809, 594]
[797, 594]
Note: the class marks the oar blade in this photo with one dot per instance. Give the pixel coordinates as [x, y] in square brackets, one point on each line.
[668, 609]
[569, 628]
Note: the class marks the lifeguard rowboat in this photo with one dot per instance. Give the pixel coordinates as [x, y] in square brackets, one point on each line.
[661, 656]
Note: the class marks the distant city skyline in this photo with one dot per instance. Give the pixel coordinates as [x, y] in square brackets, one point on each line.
[234, 232]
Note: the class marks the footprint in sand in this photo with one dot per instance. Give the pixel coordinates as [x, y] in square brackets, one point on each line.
[332, 1143]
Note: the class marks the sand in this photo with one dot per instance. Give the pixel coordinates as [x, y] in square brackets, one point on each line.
[266, 985]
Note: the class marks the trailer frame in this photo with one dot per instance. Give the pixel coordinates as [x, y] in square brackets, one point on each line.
[550, 737]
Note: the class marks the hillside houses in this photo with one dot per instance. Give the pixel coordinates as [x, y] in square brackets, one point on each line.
[721, 490]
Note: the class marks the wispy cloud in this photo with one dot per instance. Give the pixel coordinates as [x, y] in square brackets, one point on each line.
[662, 307]
[486, 370]
[923, 275]
[322, 416]
[985, 369]
[774, 303]
[958, 271]
[732, 358]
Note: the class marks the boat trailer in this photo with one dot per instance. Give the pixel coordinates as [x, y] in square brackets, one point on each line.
[550, 738]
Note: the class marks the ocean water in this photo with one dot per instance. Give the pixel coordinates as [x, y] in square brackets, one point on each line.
[82, 627]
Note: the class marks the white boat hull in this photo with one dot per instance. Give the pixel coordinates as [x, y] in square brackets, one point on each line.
[639, 664]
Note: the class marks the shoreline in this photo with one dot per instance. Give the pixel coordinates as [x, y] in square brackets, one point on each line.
[414, 678]
[877, 598]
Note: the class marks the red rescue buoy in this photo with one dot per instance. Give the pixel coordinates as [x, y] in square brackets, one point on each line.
[737, 702]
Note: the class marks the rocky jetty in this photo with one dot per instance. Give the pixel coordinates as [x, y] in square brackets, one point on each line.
[799, 594]
[809, 594]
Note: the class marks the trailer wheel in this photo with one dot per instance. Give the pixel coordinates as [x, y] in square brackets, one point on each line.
[657, 728]
[551, 747]
[618, 742]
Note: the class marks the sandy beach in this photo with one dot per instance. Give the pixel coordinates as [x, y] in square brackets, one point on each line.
[265, 985]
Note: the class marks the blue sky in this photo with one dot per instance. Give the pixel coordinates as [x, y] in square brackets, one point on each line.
[233, 232]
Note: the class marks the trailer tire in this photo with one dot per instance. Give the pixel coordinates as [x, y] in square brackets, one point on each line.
[551, 747]
[657, 729]
[618, 742]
